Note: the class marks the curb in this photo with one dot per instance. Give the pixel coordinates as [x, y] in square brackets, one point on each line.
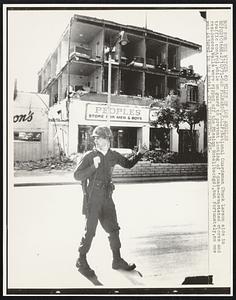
[123, 180]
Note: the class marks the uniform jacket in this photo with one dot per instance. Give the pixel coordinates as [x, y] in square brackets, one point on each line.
[86, 171]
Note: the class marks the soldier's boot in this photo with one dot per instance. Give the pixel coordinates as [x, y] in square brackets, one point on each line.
[119, 263]
[83, 266]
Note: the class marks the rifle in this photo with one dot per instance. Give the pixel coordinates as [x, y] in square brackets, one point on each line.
[86, 195]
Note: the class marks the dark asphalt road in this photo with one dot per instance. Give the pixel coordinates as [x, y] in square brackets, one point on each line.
[163, 230]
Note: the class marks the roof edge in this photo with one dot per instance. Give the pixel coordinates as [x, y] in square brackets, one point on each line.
[142, 30]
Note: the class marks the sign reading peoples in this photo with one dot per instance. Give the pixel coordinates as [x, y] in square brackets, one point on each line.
[118, 113]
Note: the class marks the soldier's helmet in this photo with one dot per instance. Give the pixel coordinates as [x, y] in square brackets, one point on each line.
[103, 132]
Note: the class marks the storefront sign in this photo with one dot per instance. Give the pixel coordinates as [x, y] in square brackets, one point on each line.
[154, 114]
[118, 113]
[24, 117]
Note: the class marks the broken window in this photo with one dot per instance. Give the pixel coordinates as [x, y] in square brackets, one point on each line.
[27, 136]
[110, 46]
[154, 86]
[131, 83]
[155, 55]
[192, 93]
[172, 84]
[80, 50]
[173, 63]
[134, 52]
[86, 41]
[114, 80]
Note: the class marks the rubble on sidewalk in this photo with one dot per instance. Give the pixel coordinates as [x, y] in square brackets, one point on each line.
[50, 163]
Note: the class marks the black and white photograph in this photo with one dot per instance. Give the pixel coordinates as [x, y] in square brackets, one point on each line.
[118, 149]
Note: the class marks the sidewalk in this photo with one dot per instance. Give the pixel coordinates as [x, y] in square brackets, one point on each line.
[62, 177]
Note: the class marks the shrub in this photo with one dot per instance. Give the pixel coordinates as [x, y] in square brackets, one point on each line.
[161, 156]
[194, 157]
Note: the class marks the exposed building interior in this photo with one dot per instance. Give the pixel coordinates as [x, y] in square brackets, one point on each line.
[143, 71]
[148, 66]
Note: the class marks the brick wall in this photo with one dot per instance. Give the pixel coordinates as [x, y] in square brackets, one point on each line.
[148, 169]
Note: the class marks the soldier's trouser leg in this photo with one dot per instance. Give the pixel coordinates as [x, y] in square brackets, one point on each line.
[90, 229]
[108, 220]
[94, 208]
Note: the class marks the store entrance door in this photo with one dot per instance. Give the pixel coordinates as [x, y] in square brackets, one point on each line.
[124, 137]
[185, 141]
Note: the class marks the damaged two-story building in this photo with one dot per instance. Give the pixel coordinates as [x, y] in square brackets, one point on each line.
[75, 76]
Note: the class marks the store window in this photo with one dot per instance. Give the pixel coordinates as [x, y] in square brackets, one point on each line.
[27, 136]
[124, 137]
[160, 139]
[85, 139]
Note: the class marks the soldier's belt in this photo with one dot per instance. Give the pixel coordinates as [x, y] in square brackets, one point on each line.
[104, 185]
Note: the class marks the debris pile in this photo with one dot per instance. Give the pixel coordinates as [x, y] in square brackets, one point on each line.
[50, 163]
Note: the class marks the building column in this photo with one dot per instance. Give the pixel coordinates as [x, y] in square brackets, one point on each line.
[143, 136]
[174, 140]
[64, 51]
[201, 137]
[178, 58]
[73, 131]
[73, 137]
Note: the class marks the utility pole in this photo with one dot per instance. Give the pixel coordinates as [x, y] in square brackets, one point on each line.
[123, 40]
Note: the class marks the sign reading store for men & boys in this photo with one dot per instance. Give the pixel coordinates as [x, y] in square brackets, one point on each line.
[117, 113]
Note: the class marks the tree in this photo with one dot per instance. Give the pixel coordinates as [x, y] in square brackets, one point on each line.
[170, 114]
[192, 116]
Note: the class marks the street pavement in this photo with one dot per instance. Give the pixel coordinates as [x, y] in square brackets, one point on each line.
[163, 230]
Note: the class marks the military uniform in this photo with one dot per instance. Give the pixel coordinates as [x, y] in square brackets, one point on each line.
[98, 187]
